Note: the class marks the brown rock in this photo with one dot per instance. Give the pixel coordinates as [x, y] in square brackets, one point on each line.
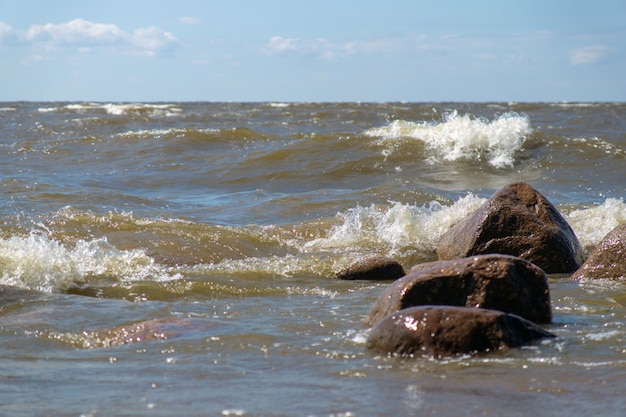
[375, 269]
[517, 221]
[607, 259]
[147, 331]
[441, 331]
[12, 294]
[498, 282]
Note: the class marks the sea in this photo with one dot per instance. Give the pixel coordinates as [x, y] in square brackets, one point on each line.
[227, 223]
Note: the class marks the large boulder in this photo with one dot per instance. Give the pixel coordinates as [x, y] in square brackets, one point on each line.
[517, 220]
[607, 259]
[498, 282]
[376, 268]
[441, 331]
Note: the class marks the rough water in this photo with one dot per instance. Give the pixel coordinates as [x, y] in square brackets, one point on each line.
[227, 222]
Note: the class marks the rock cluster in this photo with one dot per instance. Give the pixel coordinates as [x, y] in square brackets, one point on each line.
[489, 289]
[498, 282]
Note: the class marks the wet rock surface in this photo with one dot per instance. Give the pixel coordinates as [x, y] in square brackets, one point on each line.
[519, 221]
[441, 331]
[607, 259]
[375, 268]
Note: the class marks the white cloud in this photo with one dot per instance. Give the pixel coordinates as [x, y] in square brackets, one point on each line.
[589, 54]
[76, 32]
[7, 33]
[5, 30]
[188, 20]
[323, 48]
[150, 41]
[278, 44]
[407, 44]
[85, 36]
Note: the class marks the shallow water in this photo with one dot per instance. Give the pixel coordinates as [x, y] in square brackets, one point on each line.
[238, 216]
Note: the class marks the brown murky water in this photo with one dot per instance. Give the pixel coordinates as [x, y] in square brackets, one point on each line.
[214, 231]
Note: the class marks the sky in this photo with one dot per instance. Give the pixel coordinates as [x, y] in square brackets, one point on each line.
[312, 51]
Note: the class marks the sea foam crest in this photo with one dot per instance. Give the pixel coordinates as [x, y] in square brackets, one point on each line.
[41, 263]
[460, 137]
[396, 227]
[592, 224]
[119, 109]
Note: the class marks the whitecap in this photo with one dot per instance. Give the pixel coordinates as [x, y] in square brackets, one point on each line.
[154, 110]
[120, 109]
[157, 133]
[393, 228]
[460, 137]
[279, 105]
[42, 263]
[601, 336]
[594, 223]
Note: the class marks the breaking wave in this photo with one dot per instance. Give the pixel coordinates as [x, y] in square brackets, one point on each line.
[41, 263]
[460, 137]
[593, 223]
[119, 109]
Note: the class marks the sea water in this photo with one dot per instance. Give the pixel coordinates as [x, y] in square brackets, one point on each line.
[236, 217]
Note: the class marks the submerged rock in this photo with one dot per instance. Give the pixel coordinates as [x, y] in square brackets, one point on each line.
[519, 221]
[147, 331]
[376, 268]
[11, 294]
[498, 282]
[441, 331]
[607, 259]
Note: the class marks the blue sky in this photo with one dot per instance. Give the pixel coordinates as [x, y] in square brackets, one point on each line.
[322, 50]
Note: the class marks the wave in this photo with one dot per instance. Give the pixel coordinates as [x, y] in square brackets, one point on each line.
[244, 259]
[195, 136]
[40, 263]
[394, 229]
[460, 137]
[279, 105]
[119, 109]
[594, 223]
[600, 146]
[249, 254]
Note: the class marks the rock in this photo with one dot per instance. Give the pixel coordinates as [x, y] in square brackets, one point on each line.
[498, 282]
[517, 221]
[147, 331]
[376, 268]
[15, 294]
[607, 259]
[441, 331]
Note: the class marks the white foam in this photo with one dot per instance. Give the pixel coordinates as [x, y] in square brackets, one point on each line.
[152, 109]
[592, 224]
[567, 105]
[270, 266]
[395, 227]
[119, 109]
[41, 263]
[610, 334]
[155, 133]
[279, 105]
[460, 137]
[600, 144]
